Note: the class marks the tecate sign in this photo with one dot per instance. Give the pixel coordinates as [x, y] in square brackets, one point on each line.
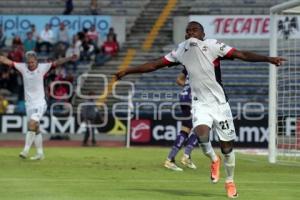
[246, 26]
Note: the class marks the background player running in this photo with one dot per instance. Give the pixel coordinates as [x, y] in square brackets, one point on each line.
[185, 135]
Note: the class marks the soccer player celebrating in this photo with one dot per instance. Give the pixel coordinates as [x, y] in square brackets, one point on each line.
[210, 108]
[33, 78]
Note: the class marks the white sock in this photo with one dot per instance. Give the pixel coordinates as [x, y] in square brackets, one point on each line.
[39, 143]
[30, 136]
[229, 163]
[209, 151]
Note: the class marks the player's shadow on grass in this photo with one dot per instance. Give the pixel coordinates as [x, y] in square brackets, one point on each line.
[180, 192]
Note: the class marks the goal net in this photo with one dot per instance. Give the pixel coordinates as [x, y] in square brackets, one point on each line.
[284, 88]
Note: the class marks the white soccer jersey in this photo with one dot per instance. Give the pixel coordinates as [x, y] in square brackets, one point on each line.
[202, 61]
[33, 82]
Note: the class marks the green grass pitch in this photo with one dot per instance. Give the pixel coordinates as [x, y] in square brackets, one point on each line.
[136, 174]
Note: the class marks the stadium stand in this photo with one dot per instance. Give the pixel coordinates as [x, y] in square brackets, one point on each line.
[236, 7]
[129, 8]
[244, 82]
[138, 33]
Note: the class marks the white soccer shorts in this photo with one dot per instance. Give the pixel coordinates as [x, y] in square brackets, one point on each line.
[36, 112]
[216, 116]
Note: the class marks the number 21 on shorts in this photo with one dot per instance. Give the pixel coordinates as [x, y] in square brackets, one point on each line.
[224, 125]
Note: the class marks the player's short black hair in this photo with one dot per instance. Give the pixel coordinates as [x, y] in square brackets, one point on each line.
[200, 25]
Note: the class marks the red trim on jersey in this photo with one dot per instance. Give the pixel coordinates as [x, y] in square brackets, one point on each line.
[230, 52]
[166, 61]
[216, 62]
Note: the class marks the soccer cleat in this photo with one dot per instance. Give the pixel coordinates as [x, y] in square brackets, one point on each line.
[172, 166]
[231, 190]
[215, 170]
[23, 154]
[186, 161]
[38, 157]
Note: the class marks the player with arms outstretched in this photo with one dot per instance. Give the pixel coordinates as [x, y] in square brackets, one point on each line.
[33, 78]
[210, 108]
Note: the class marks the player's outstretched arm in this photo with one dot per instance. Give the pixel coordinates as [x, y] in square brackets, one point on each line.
[253, 57]
[144, 68]
[62, 61]
[6, 61]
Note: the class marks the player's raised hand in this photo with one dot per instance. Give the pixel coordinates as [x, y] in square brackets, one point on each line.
[277, 60]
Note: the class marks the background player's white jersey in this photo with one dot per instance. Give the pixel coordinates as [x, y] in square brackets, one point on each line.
[33, 82]
[202, 61]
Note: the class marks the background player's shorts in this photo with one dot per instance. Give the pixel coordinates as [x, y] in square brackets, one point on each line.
[215, 115]
[36, 112]
[186, 113]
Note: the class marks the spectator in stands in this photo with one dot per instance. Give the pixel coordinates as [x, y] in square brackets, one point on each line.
[46, 39]
[73, 50]
[108, 49]
[58, 50]
[77, 39]
[61, 91]
[60, 73]
[3, 104]
[16, 54]
[68, 7]
[35, 34]
[93, 35]
[63, 35]
[2, 37]
[93, 7]
[62, 43]
[81, 35]
[89, 114]
[110, 46]
[29, 42]
[87, 49]
[17, 41]
[111, 32]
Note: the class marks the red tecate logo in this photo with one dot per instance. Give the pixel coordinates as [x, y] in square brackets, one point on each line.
[140, 131]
